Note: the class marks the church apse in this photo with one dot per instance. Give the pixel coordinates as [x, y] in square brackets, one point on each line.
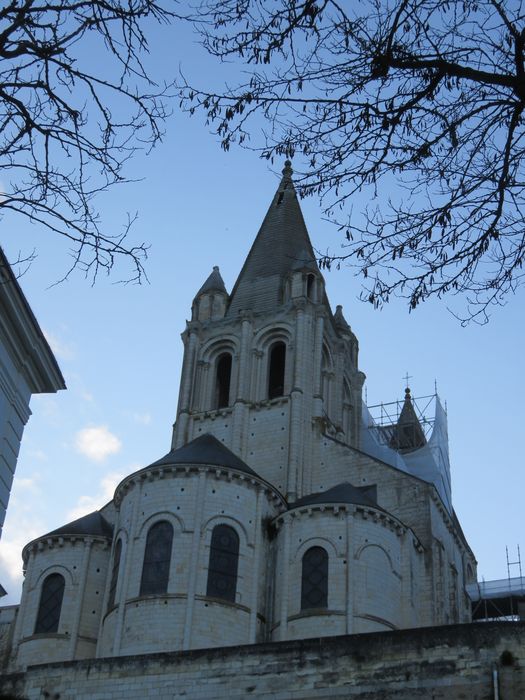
[281, 511]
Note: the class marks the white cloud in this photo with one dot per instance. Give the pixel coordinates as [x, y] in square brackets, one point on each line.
[11, 545]
[142, 418]
[40, 455]
[49, 409]
[87, 504]
[21, 526]
[27, 483]
[63, 351]
[97, 443]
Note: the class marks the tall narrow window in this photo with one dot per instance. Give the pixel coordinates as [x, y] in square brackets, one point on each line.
[314, 580]
[50, 605]
[276, 370]
[310, 287]
[114, 574]
[156, 567]
[347, 412]
[222, 380]
[224, 560]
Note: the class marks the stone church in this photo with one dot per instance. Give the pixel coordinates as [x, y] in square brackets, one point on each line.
[282, 512]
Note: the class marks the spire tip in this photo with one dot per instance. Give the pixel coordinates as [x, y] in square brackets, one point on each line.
[287, 170]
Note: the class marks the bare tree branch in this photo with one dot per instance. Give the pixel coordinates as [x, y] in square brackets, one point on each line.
[67, 132]
[414, 106]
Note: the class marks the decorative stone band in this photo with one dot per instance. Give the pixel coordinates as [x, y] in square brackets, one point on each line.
[221, 473]
[54, 541]
[216, 413]
[365, 512]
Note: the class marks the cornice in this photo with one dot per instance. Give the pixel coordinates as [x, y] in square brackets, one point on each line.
[220, 473]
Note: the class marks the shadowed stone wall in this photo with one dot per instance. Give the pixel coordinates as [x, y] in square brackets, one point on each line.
[456, 662]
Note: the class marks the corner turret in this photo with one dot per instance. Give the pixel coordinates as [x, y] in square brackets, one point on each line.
[211, 300]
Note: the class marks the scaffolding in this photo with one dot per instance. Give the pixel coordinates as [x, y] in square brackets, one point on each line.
[502, 599]
[384, 417]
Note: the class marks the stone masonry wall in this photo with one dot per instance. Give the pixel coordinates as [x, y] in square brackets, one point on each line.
[454, 663]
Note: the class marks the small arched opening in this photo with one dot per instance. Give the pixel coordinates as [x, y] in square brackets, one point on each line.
[114, 574]
[223, 380]
[276, 367]
[157, 557]
[223, 564]
[50, 604]
[314, 579]
[310, 287]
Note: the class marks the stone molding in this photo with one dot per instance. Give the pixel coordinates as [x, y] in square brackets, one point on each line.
[221, 473]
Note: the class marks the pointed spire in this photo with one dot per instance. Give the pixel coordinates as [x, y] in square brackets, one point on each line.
[408, 434]
[281, 245]
[214, 283]
[340, 320]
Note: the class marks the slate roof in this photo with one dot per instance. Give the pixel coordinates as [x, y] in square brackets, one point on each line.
[214, 283]
[91, 524]
[341, 493]
[205, 449]
[408, 434]
[281, 245]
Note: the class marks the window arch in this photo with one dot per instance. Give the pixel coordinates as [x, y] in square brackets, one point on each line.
[223, 374]
[114, 574]
[50, 604]
[276, 367]
[224, 561]
[157, 556]
[310, 287]
[314, 579]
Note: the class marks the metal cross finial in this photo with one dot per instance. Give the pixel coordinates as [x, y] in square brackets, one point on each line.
[406, 378]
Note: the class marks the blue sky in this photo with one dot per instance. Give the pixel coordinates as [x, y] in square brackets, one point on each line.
[120, 351]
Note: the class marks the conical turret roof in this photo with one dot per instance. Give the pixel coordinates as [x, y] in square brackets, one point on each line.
[340, 320]
[408, 434]
[281, 245]
[214, 283]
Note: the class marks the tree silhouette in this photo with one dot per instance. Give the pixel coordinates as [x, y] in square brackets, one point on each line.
[68, 127]
[417, 104]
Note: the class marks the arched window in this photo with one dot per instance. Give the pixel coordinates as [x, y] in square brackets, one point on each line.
[310, 287]
[114, 574]
[50, 604]
[222, 380]
[156, 567]
[276, 368]
[224, 560]
[314, 579]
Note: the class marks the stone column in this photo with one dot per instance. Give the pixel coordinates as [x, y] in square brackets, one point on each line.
[285, 579]
[75, 627]
[243, 386]
[296, 436]
[351, 578]
[127, 568]
[318, 354]
[254, 603]
[187, 382]
[194, 561]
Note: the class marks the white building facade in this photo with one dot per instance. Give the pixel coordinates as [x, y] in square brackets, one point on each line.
[27, 366]
[276, 515]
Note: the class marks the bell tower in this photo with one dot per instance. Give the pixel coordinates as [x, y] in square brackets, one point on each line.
[268, 369]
